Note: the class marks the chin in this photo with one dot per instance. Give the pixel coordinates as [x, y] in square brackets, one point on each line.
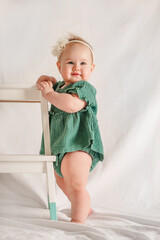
[75, 80]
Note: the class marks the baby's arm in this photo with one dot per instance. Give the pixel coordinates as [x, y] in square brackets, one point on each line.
[66, 102]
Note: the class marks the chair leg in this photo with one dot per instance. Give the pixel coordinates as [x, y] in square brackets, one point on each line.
[49, 165]
[53, 211]
[51, 191]
[48, 203]
[52, 208]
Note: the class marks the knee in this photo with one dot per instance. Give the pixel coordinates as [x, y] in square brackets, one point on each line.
[75, 186]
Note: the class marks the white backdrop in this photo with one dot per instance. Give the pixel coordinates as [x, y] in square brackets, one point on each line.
[124, 189]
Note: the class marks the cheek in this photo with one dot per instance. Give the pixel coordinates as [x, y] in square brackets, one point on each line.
[87, 72]
[64, 70]
[67, 69]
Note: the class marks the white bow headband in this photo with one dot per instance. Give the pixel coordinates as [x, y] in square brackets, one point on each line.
[59, 48]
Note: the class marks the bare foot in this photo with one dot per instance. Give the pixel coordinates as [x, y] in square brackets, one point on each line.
[90, 212]
[74, 221]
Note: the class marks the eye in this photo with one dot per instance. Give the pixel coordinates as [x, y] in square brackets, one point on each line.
[70, 62]
[83, 63]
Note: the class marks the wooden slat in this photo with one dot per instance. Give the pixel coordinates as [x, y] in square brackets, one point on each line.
[26, 158]
[13, 101]
[17, 85]
[22, 167]
[24, 95]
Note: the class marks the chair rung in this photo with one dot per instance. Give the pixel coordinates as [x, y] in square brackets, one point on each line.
[26, 158]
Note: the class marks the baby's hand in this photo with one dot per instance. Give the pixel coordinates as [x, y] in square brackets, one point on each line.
[44, 78]
[45, 87]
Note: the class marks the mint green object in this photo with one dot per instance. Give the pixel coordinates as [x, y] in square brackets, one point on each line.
[53, 211]
[75, 131]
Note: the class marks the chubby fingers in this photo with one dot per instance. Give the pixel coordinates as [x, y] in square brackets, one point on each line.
[50, 84]
[43, 78]
[42, 85]
[39, 87]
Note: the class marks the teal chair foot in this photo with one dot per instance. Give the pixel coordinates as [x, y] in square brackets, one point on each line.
[53, 211]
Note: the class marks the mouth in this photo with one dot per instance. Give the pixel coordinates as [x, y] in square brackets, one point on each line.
[75, 74]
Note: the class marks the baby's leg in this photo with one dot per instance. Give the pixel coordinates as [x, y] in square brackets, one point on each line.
[61, 184]
[75, 168]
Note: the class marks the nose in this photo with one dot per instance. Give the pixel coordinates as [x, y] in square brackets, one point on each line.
[76, 67]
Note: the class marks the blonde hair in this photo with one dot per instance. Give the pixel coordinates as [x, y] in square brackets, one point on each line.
[71, 40]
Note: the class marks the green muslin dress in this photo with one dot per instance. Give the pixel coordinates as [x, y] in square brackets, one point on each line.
[75, 131]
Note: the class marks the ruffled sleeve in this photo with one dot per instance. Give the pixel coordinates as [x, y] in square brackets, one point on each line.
[84, 90]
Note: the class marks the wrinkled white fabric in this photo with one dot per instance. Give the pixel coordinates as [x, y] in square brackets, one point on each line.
[124, 189]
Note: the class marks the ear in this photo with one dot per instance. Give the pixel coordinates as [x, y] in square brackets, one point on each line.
[59, 66]
[92, 67]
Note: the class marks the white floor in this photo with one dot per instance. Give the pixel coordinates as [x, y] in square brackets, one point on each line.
[24, 215]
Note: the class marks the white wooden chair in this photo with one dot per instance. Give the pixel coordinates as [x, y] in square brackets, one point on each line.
[31, 163]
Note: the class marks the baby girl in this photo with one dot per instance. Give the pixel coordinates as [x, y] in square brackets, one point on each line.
[74, 132]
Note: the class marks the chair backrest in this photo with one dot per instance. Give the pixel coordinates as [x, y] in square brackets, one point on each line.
[28, 93]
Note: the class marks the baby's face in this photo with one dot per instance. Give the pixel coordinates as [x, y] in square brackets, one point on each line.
[76, 63]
